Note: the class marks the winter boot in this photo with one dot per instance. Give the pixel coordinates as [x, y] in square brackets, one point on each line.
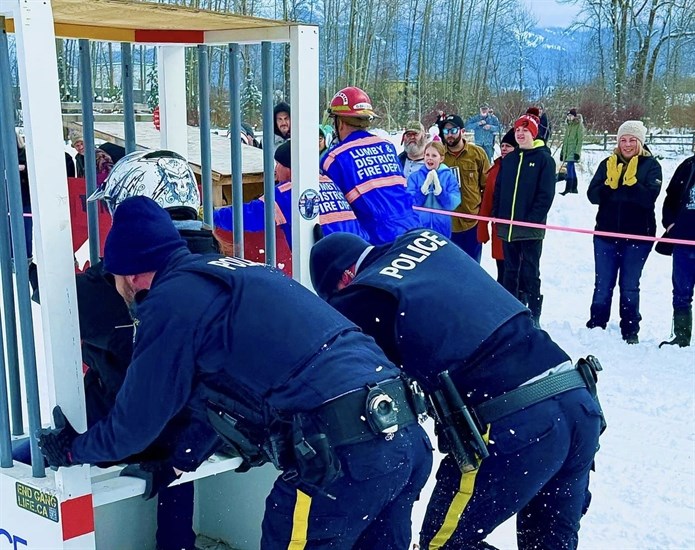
[575, 184]
[535, 304]
[568, 187]
[682, 328]
[631, 338]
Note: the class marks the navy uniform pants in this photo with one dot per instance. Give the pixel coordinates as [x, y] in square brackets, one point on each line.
[373, 499]
[538, 468]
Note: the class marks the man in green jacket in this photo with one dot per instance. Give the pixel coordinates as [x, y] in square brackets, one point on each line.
[572, 148]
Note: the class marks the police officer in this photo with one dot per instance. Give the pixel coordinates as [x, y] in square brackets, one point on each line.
[277, 372]
[473, 348]
[106, 335]
[367, 169]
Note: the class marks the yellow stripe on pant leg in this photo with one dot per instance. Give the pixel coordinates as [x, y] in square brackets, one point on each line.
[300, 521]
[458, 504]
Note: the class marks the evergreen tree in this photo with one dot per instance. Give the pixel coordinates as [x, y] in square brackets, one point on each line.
[251, 100]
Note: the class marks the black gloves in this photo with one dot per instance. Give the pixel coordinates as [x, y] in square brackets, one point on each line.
[576, 157]
[157, 474]
[56, 443]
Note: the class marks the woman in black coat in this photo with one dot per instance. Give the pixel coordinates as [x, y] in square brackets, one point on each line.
[625, 188]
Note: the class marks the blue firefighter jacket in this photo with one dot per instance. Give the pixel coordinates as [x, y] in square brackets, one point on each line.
[431, 307]
[334, 212]
[366, 169]
[237, 328]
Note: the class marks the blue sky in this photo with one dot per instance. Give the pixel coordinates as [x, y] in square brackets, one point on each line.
[550, 13]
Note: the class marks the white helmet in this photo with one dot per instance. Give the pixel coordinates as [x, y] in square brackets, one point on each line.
[164, 176]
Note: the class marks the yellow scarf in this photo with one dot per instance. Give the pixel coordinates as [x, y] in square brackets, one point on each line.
[614, 169]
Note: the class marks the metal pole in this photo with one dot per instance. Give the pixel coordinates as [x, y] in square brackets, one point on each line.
[21, 271]
[128, 103]
[205, 146]
[234, 136]
[5, 439]
[90, 166]
[6, 279]
[268, 151]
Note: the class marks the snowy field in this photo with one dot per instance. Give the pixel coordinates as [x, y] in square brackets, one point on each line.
[644, 485]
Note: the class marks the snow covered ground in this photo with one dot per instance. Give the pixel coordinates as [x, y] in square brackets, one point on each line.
[644, 485]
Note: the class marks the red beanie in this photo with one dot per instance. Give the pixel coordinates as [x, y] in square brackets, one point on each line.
[530, 121]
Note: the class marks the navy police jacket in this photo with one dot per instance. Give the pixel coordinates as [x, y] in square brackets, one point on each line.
[238, 328]
[432, 308]
[367, 170]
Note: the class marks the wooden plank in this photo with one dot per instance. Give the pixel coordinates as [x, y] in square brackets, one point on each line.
[147, 137]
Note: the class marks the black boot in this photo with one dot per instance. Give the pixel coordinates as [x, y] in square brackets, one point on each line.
[682, 328]
[568, 187]
[535, 304]
[575, 183]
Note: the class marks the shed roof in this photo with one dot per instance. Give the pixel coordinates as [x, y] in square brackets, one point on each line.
[134, 21]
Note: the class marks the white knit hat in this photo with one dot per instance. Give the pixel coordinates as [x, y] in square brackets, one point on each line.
[634, 128]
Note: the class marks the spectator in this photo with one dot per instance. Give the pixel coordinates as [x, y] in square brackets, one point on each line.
[434, 186]
[104, 164]
[318, 398]
[26, 195]
[469, 164]
[69, 165]
[545, 128]
[78, 145]
[334, 211]
[414, 141]
[366, 169]
[323, 143]
[485, 127]
[625, 188]
[524, 192]
[282, 123]
[678, 217]
[116, 152]
[507, 145]
[572, 149]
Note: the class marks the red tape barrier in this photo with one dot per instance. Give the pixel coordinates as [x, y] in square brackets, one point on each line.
[556, 227]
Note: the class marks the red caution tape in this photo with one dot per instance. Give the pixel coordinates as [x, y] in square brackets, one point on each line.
[556, 227]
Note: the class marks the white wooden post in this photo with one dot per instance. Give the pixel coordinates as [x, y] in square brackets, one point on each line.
[38, 76]
[304, 87]
[171, 70]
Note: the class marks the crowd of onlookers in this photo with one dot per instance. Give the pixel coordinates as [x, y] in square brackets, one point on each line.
[370, 192]
[447, 172]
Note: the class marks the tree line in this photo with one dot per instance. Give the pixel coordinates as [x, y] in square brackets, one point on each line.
[629, 59]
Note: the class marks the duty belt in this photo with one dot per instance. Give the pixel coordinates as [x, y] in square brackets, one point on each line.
[530, 394]
[347, 418]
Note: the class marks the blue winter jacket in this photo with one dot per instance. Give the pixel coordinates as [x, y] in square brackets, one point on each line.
[335, 213]
[481, 136]
[448, 199]
[220, 324]
[366, 169]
